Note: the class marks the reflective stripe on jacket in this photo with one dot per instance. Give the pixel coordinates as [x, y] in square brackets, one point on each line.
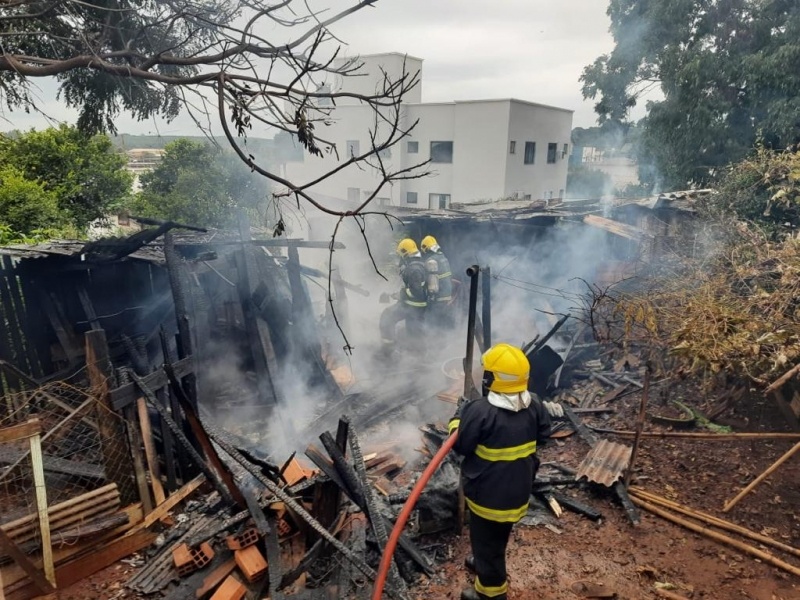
[499, 447]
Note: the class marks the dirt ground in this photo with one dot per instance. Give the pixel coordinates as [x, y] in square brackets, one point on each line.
[545, 563]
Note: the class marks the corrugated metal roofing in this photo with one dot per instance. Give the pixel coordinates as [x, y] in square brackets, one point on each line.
[605, 463]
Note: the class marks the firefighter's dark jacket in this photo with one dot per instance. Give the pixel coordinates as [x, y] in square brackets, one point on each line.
[413, 274]
[499, 448]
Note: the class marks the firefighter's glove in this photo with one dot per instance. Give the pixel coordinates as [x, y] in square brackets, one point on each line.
[385, 298]
[554, 409]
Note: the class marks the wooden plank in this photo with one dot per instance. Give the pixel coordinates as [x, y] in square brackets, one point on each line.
[14, 576]
[88, 308]
[21, 431]
[621, 229]
[37, 577]
[150, 451]
[168, 504]
[112, 440]
[37, 468]
[23, 313]
[135, 444]
[128, 393]
[64, 333]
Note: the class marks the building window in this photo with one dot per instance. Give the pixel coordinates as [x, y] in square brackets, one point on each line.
[123, 219]
[412, 147]
[526, 197]
[385, 153]
[411, 197]
[561, 193]
[512, 147]
[565, 151]
[530, 152]
[438, 201]
[353, 148]
[353, 194]
[384, 201]
[441, 152]
[552, 150]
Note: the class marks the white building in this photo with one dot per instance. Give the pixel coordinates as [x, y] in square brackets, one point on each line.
[480, 150]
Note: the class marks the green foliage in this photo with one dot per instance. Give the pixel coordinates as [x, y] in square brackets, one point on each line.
[198, 184]
[83, 173]
[764, 188]
[729, 72]
[25, 205]
[583, 182]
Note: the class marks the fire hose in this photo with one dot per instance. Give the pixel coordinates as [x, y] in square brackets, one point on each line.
[405, 513]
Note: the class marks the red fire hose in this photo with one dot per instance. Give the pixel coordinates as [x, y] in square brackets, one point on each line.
[391, 544]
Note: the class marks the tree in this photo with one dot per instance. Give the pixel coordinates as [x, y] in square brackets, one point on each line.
[84, 173]
[25, 206]
[729, 72]
[583, 182]
[211, 58]
[198, 184]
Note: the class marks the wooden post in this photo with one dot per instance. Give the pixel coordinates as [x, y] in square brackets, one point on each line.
[762, 477]
[37, 462]
[116, 454]
[46, 583]
[639, 427]
[150, 451]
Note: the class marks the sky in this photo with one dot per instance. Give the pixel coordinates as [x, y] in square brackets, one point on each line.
[532, 50]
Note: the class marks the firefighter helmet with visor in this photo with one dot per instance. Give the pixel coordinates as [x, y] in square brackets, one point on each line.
[505, 369]
[429, 243]
[407, 247]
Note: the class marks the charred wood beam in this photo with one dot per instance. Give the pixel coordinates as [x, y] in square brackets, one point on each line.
[172, 224]
[64, 333]
[88, 308]
[175, 271]
[257, 336]
[337, 281]
[372, 510]
[299, 510]
[24, 311]
[127, 394]
[345, 477]
[577, 506]
[210, 473]
[531, 348]
[273, 549]
[200, 435]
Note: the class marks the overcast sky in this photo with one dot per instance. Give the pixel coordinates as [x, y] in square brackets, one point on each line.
[472, 49]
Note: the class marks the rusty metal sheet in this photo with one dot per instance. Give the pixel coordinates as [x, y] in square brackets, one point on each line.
[605, 463]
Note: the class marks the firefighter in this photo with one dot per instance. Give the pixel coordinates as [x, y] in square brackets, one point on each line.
[411, 299]
[498, 436]
[440, 282]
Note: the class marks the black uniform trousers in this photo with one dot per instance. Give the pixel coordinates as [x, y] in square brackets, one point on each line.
[414, 317]
[489, 540]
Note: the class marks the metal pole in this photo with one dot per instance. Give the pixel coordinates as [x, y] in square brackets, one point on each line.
[469, 384]
[486, 306]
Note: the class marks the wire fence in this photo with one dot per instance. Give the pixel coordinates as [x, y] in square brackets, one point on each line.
[85, 458]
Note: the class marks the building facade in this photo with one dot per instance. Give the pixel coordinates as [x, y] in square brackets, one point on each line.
[479, 150]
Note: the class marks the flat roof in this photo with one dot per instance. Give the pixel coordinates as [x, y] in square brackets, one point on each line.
[487, 100]
[402, 54]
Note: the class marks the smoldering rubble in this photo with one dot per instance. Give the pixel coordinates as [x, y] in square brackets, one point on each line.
[216, 403]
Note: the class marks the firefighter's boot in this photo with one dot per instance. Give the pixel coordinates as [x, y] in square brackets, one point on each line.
[470, 593]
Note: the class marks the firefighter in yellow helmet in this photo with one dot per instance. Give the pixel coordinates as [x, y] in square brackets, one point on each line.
[411, 300]
[498, 435]
[440, 282]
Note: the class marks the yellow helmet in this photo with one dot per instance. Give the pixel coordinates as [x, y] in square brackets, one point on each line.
[406, 247]
[506, 369]
[428, 242]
